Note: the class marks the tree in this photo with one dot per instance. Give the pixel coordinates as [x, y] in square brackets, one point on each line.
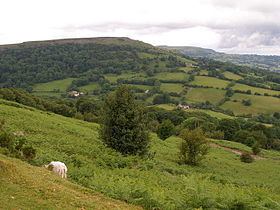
[123, 125]
[194, 146]
[165, 130]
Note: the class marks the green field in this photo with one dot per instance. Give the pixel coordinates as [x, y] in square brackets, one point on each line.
[171, 76]
[255, 89]
[62, 85]
[171, 87]
[222, 181]
[205, 94]
[129, 75]
[210, 82]
[260, 104]
[232, 76]
[89, 88]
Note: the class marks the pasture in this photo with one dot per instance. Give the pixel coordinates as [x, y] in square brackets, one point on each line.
[210, 82]
[262, 91]
[232, 76]
[205, 94]
[62, 85]
[171, 87]
[171, 76]
[260, 104]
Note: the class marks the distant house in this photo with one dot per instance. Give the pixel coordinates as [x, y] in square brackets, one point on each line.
[74, 94]
[181, 106]
[147, 91]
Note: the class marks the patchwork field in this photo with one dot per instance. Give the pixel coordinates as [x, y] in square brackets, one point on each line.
[210, 82]
[262, 91]
[89, 88]
[205, 94]
[113, 77]
[232, 76]
[171, 87]
[62, 85]
[260, 104]
[171, 76]
[155, 183]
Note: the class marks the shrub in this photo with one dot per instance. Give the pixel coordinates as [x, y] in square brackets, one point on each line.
[256, 149]
[123, 125]
[246, 158]
[165, 130]
[28, 152]
[194, 146]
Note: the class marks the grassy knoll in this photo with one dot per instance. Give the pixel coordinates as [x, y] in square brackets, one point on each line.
[255, 89]
[28, 187]
[260, 104]
[62, 85]
[221, 182]
[232, 76]
[210, 81]
[171, 87]
[205, 94]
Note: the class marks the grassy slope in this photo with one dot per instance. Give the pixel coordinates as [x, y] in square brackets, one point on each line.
[28, 187]
[260, 104]
[222, 180]
[205, 94]
[62, 85]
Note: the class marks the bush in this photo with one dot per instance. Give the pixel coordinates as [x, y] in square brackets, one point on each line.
[165, 130]
[246, 158]
[194, 146]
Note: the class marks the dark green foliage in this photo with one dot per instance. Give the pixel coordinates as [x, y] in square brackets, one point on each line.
[194, 146]
[124, 124]
[28, 152]
[165, 130]
[246, 158]
[162, 99]
[256, 149]
[247, 102]
[229, 127]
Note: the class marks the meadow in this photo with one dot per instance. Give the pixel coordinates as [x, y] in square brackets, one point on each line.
[158, 181]
[171, 87]
[210, 82]
[171, 76]
[232, 76]
[254, 90]
[62, 85]
[260, 104]
[205, 94]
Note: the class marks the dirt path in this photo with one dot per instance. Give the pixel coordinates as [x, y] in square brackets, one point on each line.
[235, 151]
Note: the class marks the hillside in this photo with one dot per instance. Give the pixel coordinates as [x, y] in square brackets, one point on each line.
[222, 181]
[27, 187]
[22, 65]
[267, 62]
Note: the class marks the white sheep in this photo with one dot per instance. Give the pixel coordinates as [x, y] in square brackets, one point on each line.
[58, 167]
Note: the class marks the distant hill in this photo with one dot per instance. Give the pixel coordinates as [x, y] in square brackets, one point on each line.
[267, 62]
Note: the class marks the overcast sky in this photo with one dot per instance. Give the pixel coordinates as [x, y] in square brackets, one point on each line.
[234, 26]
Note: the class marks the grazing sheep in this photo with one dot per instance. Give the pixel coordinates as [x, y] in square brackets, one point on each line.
[58, 167]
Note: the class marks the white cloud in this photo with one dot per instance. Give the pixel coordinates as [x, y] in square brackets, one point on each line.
[250, 25]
